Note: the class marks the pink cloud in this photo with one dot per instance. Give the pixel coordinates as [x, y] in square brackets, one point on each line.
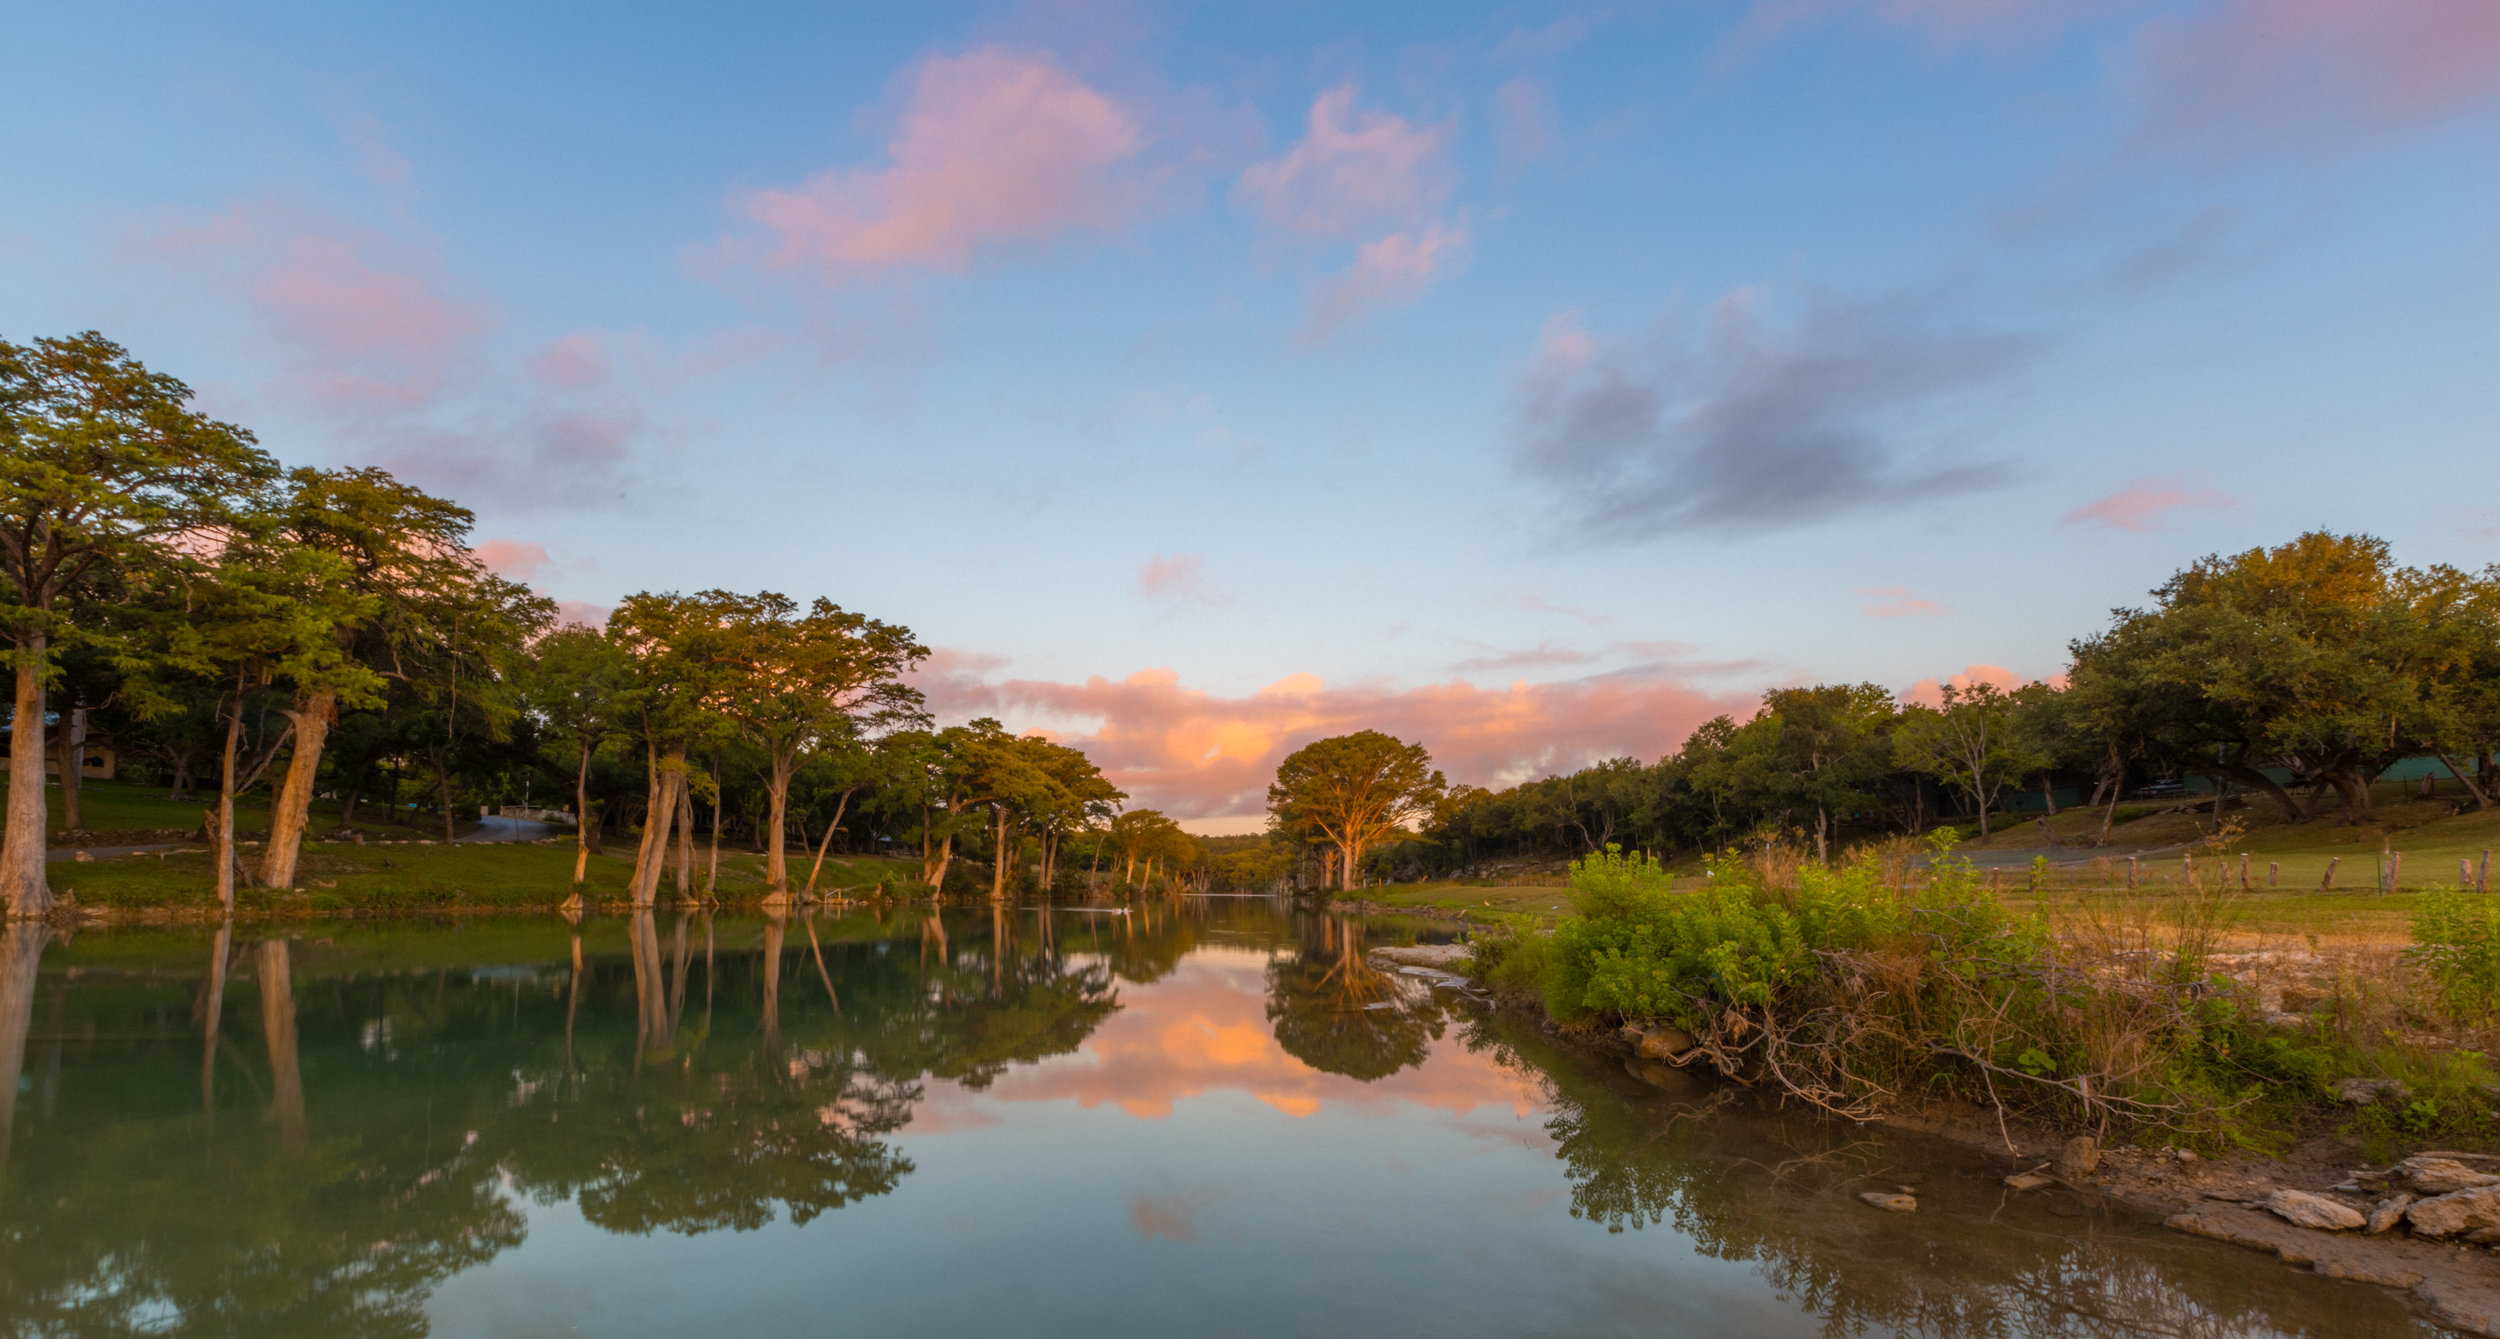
[361, 321]
[572, 363]
[993, 146]
[378, 345]
[516, 559]
[1352, 172]
[2263, 67]
[1395, 269]
[1177, 579]
[1930, 693]
[1898, 602]
[583, 612]
[1546, 654]
[1197, 754]
[1523, 120]
[2139, 508]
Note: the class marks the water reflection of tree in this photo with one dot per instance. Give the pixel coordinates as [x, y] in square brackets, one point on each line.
[1334, 1011]
[1779, 1190]
[129, 1210]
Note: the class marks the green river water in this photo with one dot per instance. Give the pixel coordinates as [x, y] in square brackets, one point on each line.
[1209, 1117]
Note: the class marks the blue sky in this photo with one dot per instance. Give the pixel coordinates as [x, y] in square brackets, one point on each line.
[1532, 379]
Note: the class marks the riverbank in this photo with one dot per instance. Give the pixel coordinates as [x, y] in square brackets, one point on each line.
[2266, 1097]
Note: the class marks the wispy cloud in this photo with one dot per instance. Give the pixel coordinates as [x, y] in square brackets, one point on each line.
[1363, 174]
[1396, 269]
[374, 340]
[2266, 70]
[1766, 428]
[2145, 505]
[993, 147]
[1179, 579]
[1899, 602]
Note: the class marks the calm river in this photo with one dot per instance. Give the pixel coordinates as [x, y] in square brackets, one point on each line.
[1204, 1118]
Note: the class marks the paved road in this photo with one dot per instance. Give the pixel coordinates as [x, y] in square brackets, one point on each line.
[510, 830]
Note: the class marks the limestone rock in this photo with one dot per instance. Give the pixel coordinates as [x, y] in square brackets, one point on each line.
[2441, 1176]
[2302, 1209]
[2462, 1211]
[2387, 1213]
[2030, 1180]
[1890, 1203]
[1658, 1041]
[2078, 1159]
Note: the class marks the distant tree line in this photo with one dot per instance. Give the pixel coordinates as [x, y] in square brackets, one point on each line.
[2285, 675]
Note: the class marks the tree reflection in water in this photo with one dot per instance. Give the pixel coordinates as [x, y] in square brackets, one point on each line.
[1779, 1190]
[1334, 1011]
[317, 1169]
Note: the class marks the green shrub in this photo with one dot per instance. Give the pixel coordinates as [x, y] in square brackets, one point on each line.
[2456, 937]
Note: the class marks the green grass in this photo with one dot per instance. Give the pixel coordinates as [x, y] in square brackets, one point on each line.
[108, 808]
[406, 875]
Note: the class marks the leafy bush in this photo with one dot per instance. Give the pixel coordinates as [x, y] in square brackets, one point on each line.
[2456, 938]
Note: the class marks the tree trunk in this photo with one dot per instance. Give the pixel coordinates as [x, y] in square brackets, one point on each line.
[23, 889]
[668, 774]
[711, 872]
[21, 951]
[293, 805]
[2481, 800]
[182, 773]
[2354, 791]
[777, 817]
[355, 795]
[1345, 875]
[2048, 794]
[442, 781]
[73, 757]
[582, 826]
[226, 857]
[998, 853]
[1822, 846]
[277, 1021]
[684, 864]
[830, 829]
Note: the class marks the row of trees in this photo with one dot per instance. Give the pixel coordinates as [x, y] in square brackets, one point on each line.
[334, 634]
[2290, 673]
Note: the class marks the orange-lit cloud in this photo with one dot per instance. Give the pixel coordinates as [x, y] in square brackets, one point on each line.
[994, 146]
[1204, 1029]
[1181, 578]
[1930, 692]
[516, 559]
[2141, 507]
[1898, 602]
[1195, 754]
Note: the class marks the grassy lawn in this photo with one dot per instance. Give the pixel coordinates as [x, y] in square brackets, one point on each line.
[411, 875]
[109, 808]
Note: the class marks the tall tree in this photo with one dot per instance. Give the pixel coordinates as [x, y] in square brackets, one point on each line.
[577, 685]
[794, 681]
[103, 465]
[406, 553]
[1970, 742]
[1354, 790]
